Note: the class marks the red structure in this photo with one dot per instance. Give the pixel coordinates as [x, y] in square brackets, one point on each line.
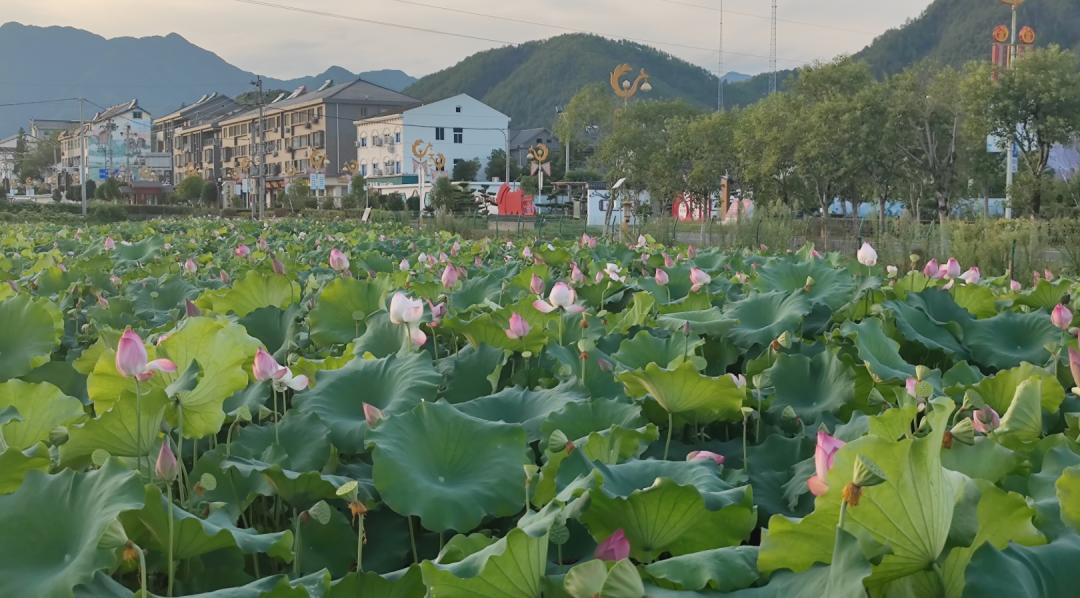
[514, 203]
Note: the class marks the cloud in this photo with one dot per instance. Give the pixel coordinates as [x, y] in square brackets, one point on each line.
[287, 44]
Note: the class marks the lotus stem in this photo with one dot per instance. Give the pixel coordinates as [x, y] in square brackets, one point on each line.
[277, 438]
[843, 514]
[169, 548]
[667, 442]
[745, 451]
[360, 543]
[143, 590]
[138, 427]
[299, 545]
[412, 541]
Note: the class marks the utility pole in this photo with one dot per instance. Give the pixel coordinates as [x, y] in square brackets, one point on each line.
[83, 171]
[260, 147]
[720, 66]
[1011, 141]
[772, 52]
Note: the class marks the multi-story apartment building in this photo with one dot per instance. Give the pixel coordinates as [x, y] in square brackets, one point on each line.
[40, 128]
[459, 127]
[189, 137]
[116, 141]
[300, 126]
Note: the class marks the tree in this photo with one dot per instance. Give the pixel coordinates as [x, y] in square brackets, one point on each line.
[448, 198]
[209, 194]
[1037, 101]
[91, 189]
[22, 150]
[298, 195]
[190, 189]
[766, 142]
[496, 167]
[33, 159]
[358, 193]
[466, 170]
[250, 99]
[586, 120]
[107, 191]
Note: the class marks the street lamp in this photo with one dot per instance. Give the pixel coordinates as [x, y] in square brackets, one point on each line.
[625, 88]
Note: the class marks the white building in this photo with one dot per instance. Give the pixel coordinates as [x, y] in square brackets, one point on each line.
[114, 142]
[7, 160]
[460, 128]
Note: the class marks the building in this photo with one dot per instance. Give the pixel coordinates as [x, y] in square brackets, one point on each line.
[460, 128]
[7, 161]
[45, 128]
[301, 126]
[521, 140]
[116, 141]
[190, 137]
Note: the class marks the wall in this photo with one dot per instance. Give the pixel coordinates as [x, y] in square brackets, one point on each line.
[484, 130]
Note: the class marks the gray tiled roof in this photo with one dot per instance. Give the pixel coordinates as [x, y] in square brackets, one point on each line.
[358, 91]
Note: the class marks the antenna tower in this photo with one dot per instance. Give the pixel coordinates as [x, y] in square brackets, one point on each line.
[772, 52]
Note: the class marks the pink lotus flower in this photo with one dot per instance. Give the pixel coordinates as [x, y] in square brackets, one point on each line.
[449, 276]
[739, 380]
[263, 245]
[224, 277]
[1035, 278]
[892, 271]
[191, 310]
[931, 269]
[587, 241]
[536, 285]
[814, 253]
[561, 296]
[242, 251]
[190, 267]
[109, 244]
[266, 368]
[612, 272]
[866, 255]
[824, 454]
[131, 358]
[699, 279]
[404, 265]
[951, 269]
[277, 266]
[166, 467]
[455, 248]
[339, 262]
[372, 415]
[972, 276]
[985, 420]
[527, 253]
[408, 312]
[910, 386]
[615, 548]
[576, 275]
[668, 262]
[661, 277]
[1014, 286]
[1061, 317]
[1074, 368]
[519, 328]
[691, 252]
[705, 456]
[642, 242]
[1048, 275]
[443, 258]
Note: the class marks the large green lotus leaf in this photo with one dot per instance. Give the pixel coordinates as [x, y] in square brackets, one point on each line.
[1003, 517]
[477, 290]
[832, 287]
[138, 253]
[998, 390]
[1068, 492]
[977, 299]
[61, 520]
[224, 351]
[155, 301]
[301, 489]
[489, 328]
[812, 386]
[450, 469]
[984, 460]
[777, 475]
[63, 375]
[513, 567]
[578, 420]
[321, 545]
[32, 329]
[529, 408]
[194, 536]
[942, 309]
[614, 445]
[918, 327]
[234, 491]
[683, 389]
[594, 579]
[14, 465]
[723, 569]
[354, 585]
[910, 513]
[41, 408]
[274, 327]
[106, 387]
[117, 431]
[1048, 570]
[880, 353]
[710, 321]
[256, 289]
[343, 307]
[471, 372]
[299, 443]
[843, 579]
[274, 586]
[393, 384]
[1045, 294]
[636, 314]
[1009, 339]
[763, 317]
[382, 338]
[594, 373]
[645, 348]
[669, 507]
[1021, 425]
[1057, 456]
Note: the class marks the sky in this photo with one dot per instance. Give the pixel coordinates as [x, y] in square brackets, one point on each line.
[261, 38]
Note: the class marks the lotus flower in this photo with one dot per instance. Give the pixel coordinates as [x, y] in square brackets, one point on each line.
[338, 260]
[266, 368]
[699, 279]
[814, 253]
[1074, 367]
[191, 310]
[951, 269]
[985, 420]
[372, 415]
[931, 269]
[866, 255]
[407, 311]
[892, 271]
[519, 328]
[190, 267]
[131, 358]
[527, 253]
[449, 276]
[224, 277]
[705, 456]
[661, 277]
[263, 245]
[438, 312]
[109, 244]
[910, 386]
[612, 271]
[587, 241]
[166, 467]
[1048, 274]
[642, 242]
[668, 262]
[1015, 286]
[536, 285]
[277, 266]
[576, 275]
[1061, 317]
[404, 265]
[691, 252]
[242, 251]
[972, 276]
[739, 380]
[455, 248]
[824, 453]
[615, 548]
[561, 296]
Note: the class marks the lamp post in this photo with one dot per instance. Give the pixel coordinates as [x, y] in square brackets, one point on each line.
[625, 88]
[425, 157]
[1010, 172]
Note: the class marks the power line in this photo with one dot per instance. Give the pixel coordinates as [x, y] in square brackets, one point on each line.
[36, 102]
[767, 17]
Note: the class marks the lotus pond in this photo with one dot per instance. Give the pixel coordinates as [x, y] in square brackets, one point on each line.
[314, 409]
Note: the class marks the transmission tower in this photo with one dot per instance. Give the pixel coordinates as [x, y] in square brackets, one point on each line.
[772, 51]
[720, 65]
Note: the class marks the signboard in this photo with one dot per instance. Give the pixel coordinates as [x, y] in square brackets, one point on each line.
[366, 216]
[318, 181]
[103, 173]
[994, 144]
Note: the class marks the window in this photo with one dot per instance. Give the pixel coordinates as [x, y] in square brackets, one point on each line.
[136, 115]
[318, 139]
[397, 167]
[363, 142]
[459, 135]
[397, 137]
[458, 109]
[363, 170]
[440, 134]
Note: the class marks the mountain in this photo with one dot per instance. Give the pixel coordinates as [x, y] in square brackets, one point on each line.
[163, 72]
[734, 77]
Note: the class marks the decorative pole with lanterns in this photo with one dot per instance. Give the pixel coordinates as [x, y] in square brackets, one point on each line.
[424, 157]
[1008, 44]
[625, 88]
[539, 154]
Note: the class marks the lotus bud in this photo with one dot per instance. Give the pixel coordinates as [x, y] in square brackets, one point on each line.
[705, 456]
[985, 420]
[372, 415]
[191, 309]
[789, 414]
[809, 284]
[536, 285]
[963, 432]
[661, 277]
[867, 473]
[166, 467]
[866, 255]
[242, 251]
[277, 266]
[1061, 317]
[1074, 366]
[615, 548]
